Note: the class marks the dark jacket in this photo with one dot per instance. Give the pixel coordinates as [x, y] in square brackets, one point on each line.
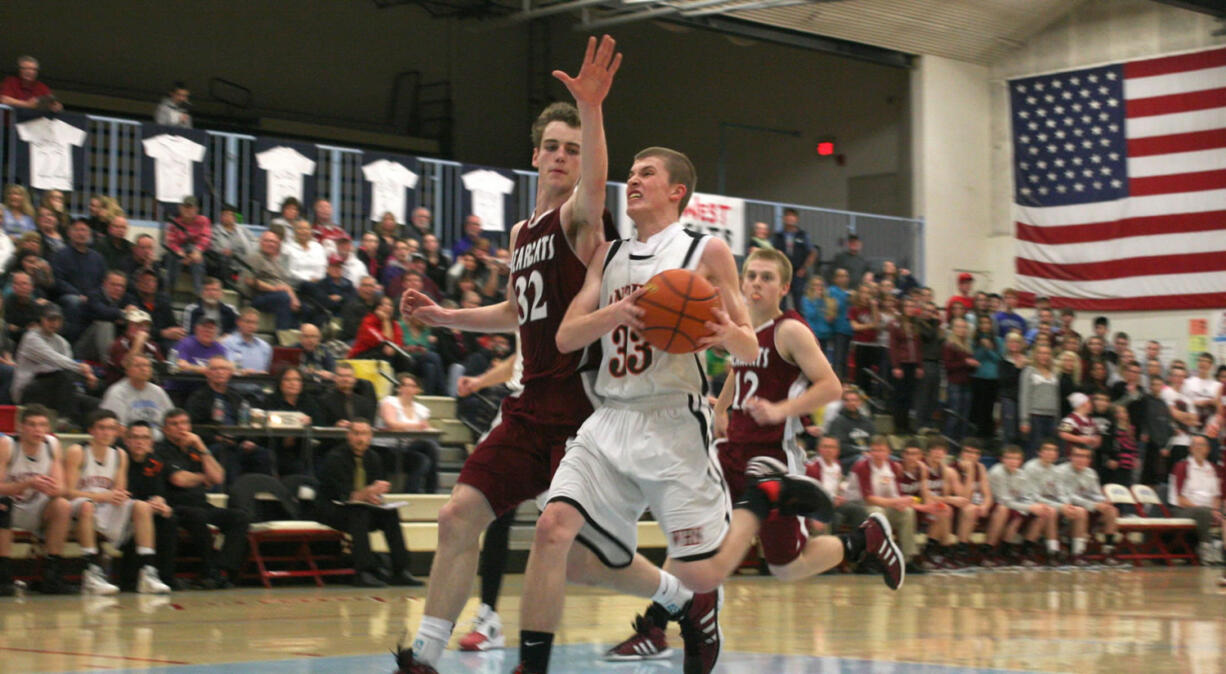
[352, 314]
[332, 406]
[200, 408]
[853, 433]
[116, 252]
[336, 476]
[102, 308]
[77, 273]
[175, 460]
[19, 315]
[932, 339]
[326, 287]
[147, 478]
[229, 317]
[160, 310]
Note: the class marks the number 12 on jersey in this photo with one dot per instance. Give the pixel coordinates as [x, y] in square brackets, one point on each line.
[531, 308]
[742, 392]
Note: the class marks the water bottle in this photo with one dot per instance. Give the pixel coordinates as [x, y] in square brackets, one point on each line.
[219, 411]
[244, 413]
[172, 361]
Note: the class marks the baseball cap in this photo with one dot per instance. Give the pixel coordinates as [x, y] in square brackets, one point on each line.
[191, 201]
[965, 276]
[135, 315]
[206, 319]
[52, 310]
[335, 259]
[1078, 399]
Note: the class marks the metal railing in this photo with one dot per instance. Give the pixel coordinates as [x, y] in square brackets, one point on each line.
[113, 167]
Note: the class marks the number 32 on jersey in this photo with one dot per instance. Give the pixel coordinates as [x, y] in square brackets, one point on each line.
[530, 294]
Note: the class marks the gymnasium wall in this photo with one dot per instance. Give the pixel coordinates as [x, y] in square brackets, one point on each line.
[1099, 31]
[338, 57]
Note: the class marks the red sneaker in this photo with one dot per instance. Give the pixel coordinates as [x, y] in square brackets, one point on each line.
[879, 544]
[405, 664]
[701, 633]
[647, 643]
[486, 633]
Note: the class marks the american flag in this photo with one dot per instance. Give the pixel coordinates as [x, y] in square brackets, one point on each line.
[1120, 184]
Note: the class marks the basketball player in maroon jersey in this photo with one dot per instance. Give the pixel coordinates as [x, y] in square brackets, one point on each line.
[758, 415]
[549, 257]
[945, 487]
[973, 480]
[915, 481]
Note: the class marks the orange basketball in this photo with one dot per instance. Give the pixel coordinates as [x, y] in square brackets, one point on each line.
[676, 307]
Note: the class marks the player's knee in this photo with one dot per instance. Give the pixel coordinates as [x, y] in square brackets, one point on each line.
[141, 510]
[86, 509]
[458, 525]
[698, 577]
[60, 507]
[555, 528]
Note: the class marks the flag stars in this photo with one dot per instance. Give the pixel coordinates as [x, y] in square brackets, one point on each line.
[1113, 103]
[1038, 86]
[1061, 188]
[1043, 191]
[1117, 183]
[1079, 187]
[1092, 78]
[1111, 75]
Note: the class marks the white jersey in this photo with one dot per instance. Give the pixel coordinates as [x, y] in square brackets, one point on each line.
[22, 467]
[631, 368]
[98, 476]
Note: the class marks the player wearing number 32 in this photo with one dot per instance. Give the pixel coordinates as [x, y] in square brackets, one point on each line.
[515, 460]
[648, 445]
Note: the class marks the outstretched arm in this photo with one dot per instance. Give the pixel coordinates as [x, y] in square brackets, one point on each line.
[583, 211]
[501, 317]
[584, 323]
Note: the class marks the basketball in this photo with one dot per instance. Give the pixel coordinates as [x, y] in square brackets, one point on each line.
[676, 306]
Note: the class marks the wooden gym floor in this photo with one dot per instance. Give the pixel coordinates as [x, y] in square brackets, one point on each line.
[1132, 620]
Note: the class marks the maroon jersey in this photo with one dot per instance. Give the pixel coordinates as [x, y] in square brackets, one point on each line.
[770, 377]
[936, 479]
[972, 477]
[911, 482]
[546, 274]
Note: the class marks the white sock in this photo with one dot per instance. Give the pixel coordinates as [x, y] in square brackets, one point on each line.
[1079, 546]
[671, 594]
[431, 640]
[145, 551]
[1053, 545]
[89, 551]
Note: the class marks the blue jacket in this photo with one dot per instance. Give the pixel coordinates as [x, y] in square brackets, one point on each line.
[989, 359]
[842, 324]
[814, 312]
[78, 273]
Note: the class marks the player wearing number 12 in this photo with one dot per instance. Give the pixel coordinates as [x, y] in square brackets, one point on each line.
[515, 460]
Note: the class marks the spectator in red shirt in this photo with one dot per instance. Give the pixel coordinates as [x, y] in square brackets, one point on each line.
[326, 231]
[188, 237]
[23, 90]
[964, 296]
[907, 364]
[377, 335]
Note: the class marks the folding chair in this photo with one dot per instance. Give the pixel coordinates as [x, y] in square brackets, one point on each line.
[1177, 529]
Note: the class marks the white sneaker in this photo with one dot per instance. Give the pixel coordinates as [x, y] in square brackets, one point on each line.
[486, 632]
[150, 583]
[93, 581]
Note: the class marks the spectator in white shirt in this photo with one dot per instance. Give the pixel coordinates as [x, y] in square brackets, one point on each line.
[1197, 488]
[304, 258]
[1183, 412]
[826, 470]
[135, 398]
[1203, 389]
[230, 240]
[172, 111]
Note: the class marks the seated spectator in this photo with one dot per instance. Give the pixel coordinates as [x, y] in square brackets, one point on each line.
[1042, 473]
[54, 200]
[353, 475]
[78, 270]
[466, 270]
[103, 317]
[249, 353]
[290, 452]
[173, 110]
[394, 268]
[418, 266]
[352, 268]
[115, 247]
[210, 305]
[188, 237]
[144, 294]
[325, 230]
[852, 427]
[45, 372]
[48, 228]
[924, 483]
[22, 307]
[144, 258]
[387, 232]
[218, 403]
[147, 482]
[826, 470]
[419, 341]
[304, 258]
[332, 292]
[358, 307]
[283, 223]
[876, 482]
[401, 412]
[135, 397]
[368, 254]
[101, 209]
[346, 400]
[1197, 490]
[24, 90]
[230, 240]
[494, 289]
[39, 269]
[472, 232]
[193, 352]
[1017, 505]
[1082, 489]
[191, 470]
[35, 487]
[317, 362]
[17, 213]
[380, 337]
[437, 262]
[267, 284]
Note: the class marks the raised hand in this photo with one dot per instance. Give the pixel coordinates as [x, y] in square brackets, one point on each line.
[595, 76]
[418, 305]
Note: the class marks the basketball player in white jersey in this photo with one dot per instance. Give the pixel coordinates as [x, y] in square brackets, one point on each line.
[648, 444]
[97, 475]
[31, 481]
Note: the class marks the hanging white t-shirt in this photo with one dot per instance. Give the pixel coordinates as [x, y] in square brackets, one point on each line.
[51, 142]
[487, 189]
[388, 181]
[285, 168]
[173, 161]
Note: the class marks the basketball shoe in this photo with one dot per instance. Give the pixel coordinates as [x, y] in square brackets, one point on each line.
[647, 643]
[879, 543]
[93, 581]
[486, 632]
[773, 488]
[405, 664]
[150, 583]
[701, 632]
